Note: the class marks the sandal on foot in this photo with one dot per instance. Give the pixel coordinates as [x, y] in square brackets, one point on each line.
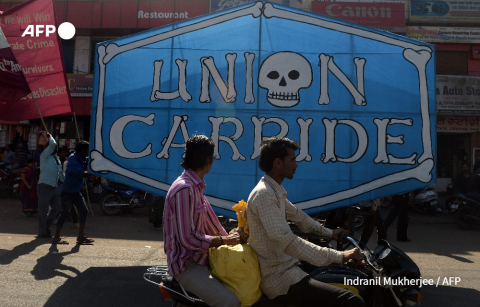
[85, 241]
[59, 241]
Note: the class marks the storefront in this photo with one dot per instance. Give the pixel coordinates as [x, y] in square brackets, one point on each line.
[458, 123]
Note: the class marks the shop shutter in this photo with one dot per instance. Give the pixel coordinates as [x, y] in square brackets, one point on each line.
[452, 62]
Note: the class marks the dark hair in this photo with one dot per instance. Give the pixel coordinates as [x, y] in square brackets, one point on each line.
[30, 160]
[81, 146]
[273, 148]
[197, 150]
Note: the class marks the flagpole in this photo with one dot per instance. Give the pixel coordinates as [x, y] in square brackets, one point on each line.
[39, 113]
[84, 181]
[76, 124]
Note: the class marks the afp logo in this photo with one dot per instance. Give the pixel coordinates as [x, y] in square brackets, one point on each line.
[66, 30]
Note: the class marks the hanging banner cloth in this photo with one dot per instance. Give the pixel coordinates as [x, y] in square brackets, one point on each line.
[359, 101]
[40, 58]
[13, 85]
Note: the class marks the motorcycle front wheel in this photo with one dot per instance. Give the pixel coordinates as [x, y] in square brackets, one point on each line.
[108, 205]
[462, 218]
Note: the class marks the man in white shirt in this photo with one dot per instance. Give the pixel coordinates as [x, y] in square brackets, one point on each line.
[279, 249]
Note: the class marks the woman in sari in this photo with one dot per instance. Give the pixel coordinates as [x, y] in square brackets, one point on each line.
[28, 189]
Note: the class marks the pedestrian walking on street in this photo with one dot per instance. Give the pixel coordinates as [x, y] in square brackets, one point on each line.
[63, 153]
[48, 190]
[71, 193]
[375, 220]
[400, 210]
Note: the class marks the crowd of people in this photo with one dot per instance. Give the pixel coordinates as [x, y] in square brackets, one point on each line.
[52, 180]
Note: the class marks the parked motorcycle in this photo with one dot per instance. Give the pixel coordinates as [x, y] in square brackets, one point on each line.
[468, 214]
[118, 198]
[9, 183]
[425, 201]
[388, 278]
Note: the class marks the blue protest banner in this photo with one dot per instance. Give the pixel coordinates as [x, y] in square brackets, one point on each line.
[360, 101]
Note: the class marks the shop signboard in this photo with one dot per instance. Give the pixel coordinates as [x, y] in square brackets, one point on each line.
[132, 14]
[444, 34]
[80, 85]
[426, 11]
[458, 94]
[458, 123]
[385, 16]
[359, 101]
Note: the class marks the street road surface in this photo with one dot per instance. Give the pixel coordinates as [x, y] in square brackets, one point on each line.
[109, 273]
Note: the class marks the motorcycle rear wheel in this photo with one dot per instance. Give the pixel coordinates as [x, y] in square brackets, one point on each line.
[462, 220]
[111, 199]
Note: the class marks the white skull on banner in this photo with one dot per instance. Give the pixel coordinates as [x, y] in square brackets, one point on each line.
[283, 74]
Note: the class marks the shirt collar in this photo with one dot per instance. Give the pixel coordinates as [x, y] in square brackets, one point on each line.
[275, 186]
[194, 177]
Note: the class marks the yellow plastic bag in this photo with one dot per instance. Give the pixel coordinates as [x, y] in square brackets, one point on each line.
[236, 267]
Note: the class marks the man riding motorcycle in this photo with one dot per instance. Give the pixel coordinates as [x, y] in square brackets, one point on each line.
[278, 248]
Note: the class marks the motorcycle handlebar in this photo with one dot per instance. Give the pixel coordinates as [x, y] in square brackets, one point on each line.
[345, 238]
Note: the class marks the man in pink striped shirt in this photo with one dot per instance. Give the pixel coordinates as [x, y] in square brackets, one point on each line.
[190, 227]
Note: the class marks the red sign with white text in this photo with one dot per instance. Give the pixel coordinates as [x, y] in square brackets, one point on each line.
[13, 85]
[385, 16]
[132, 14]
[40, 58]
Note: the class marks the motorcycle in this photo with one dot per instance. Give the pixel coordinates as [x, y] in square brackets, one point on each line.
[426, 201]
[468, 214]
[118, 198]
[387, 278]
[9, 183]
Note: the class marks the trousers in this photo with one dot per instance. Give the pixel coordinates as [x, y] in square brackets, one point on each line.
[47, 197]
[69, 199]
[198, 280]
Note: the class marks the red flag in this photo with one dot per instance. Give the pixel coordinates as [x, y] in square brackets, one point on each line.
[40, 58]
[13, 85]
